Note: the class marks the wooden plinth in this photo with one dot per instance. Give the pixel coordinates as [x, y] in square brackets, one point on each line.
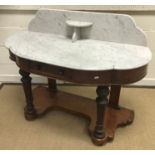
[45, 100]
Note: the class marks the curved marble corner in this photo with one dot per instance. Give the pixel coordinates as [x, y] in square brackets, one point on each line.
[110, 27]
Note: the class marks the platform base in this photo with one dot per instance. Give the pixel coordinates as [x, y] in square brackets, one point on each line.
[45, 100]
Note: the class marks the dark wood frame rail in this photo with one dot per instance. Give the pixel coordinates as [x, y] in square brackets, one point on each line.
[105, 115]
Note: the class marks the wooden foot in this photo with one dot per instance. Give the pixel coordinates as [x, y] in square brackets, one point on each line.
[86, 107]
[29, 116]
[29, 111]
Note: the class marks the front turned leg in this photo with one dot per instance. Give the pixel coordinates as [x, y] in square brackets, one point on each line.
[30, 112]
[102, 101]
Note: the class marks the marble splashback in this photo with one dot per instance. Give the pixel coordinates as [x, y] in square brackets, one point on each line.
[106, 26]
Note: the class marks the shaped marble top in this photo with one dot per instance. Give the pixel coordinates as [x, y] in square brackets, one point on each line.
[85, 54]
[112, 42]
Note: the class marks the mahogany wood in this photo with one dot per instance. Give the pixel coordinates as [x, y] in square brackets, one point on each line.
[84, 107]
[29, 110]
[102, 101]
[52, 84]
[114, 96]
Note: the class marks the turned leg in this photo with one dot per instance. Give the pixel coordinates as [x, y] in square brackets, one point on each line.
[102, 101]
[30, 112]
[52, 85]
[114, 96]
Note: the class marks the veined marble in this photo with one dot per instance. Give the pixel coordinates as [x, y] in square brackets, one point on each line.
[111, 27]
[85, 54]
[101, 41]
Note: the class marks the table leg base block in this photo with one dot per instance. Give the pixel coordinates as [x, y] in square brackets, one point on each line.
[82, 106]
[30, 115]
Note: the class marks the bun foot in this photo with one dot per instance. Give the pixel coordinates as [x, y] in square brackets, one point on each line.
[30, 115]
[99, 141]
[103, 140]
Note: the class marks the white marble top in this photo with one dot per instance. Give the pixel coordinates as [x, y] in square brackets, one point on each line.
[82, 40]
[85, 54]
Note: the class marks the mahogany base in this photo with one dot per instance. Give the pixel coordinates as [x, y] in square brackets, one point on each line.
[86, 107]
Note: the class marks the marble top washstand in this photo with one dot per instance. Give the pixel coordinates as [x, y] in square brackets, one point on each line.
[104, 41]
[101, 49]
